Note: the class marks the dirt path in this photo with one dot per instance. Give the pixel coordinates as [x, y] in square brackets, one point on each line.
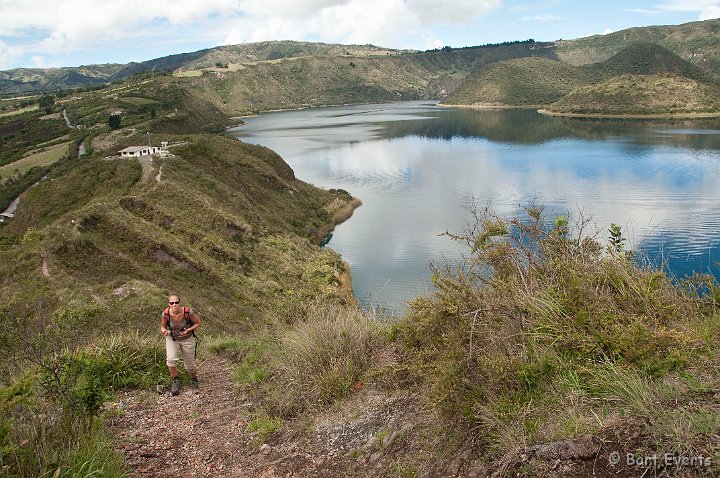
[196, 433]
[204, 433]
[10, 211]
[67, 120]
[146, 163]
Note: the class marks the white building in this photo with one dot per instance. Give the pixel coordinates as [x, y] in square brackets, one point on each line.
[137, 151]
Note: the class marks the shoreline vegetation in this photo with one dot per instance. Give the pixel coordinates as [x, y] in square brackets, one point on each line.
[338, 216]
[491, 106]
[688, 115]
[544, 111]
[339, 213]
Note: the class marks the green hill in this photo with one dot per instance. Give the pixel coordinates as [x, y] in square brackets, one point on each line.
[433, 74]
[534, 81]
[644, 58]
[526, 81]
[212, 228]
[641, 95]
[217, 220]
[696, 42]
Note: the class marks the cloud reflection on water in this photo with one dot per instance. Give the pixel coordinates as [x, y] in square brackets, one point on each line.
[414, 166]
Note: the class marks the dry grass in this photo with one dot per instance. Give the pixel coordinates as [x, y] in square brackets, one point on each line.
[313, 362]
[40, 159]
[20, 111]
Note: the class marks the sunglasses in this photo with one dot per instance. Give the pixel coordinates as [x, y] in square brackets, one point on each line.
[174, 302]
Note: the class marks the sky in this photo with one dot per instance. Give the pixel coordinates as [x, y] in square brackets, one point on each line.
[54, 33]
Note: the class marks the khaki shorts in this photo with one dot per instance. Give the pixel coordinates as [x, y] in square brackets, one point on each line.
[173, 349]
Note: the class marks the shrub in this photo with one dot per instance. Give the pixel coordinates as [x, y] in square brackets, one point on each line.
[48, 419]
[114, 121]
[535, 303]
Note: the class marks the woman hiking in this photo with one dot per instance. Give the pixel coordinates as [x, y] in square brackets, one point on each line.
[178, 325]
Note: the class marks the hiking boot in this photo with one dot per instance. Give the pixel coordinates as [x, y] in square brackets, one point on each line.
[194, 383]
[175, 388]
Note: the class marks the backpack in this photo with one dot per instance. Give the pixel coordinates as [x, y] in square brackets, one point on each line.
[186, 316]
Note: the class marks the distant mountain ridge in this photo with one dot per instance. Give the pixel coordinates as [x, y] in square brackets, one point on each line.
[696, 42]
[536, 82]
[20, 80]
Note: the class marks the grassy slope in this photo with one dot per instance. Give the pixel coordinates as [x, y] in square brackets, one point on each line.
[540, 82]
[526, 81]
[223, 215]
[644, 58]
[697, 42]
[639, 94]
[566, 340]
[214, 229]
[44, 157]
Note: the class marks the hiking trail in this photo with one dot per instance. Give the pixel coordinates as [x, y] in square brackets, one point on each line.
[204, 433]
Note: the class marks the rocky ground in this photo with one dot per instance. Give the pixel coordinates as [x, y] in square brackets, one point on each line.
[204, 433]
[381, 431]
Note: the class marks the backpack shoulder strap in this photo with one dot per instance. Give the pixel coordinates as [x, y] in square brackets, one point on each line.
[187, 312]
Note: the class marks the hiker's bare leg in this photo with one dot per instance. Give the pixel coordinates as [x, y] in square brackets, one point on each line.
[173, 371]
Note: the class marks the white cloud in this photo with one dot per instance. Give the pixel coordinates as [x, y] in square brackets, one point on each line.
[432, 12]
[710, 12]
[48, 27]
[643, 11]
[607, 30]
[707, 9]
[543, 18]
[79, 24]
[9, 54]
[381, 22]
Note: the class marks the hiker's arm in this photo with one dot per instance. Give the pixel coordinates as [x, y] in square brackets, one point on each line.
[163, 326]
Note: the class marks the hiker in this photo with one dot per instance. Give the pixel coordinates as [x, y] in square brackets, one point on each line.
[178, 325]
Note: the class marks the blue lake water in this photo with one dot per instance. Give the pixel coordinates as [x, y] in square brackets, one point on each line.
[415, 166]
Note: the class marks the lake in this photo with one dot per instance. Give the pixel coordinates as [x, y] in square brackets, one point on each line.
[416, 166]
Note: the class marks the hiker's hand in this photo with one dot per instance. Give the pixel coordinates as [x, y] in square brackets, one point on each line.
[165, 332]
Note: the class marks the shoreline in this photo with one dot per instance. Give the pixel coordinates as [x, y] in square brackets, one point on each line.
[630, 116]
[492, 106]
[345, 288]
[339, 216]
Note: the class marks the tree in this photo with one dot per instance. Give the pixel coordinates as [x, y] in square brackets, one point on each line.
[46, 102]
[114, 121]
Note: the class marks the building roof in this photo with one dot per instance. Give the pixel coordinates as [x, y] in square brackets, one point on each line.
[133, 149]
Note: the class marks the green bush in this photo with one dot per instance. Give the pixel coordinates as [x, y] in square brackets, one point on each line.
[82, 379]
[538, 314]
[49, 422]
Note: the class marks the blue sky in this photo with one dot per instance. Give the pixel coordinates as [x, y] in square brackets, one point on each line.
[51, 33]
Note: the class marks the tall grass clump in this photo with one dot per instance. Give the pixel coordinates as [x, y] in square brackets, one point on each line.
[543, 332]
[319, 358]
